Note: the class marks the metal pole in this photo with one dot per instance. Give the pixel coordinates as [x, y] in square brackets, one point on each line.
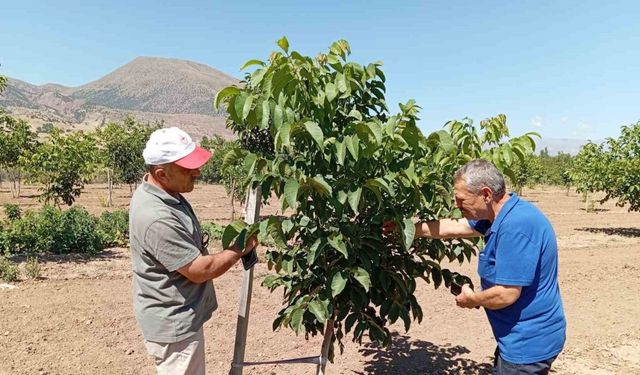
[252, 214]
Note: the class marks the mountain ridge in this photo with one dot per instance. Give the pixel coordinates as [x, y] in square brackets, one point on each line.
[151, 89]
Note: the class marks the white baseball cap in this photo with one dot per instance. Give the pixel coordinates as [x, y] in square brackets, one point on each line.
[173, 145]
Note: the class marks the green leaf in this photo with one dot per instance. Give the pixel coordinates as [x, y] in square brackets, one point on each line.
[341, 151]
[316, 133]
[379, 183]
[342, 197]
[314, 249]
[296, 320]
[233, 157]
[353, 145]
[337, 243]
[265, 114]
[337, 284]
[318, 309]
[247, 107]
[331, 91]
[436, 276]
[355, 114]
[320, 185]
[225, 92]
[408, 233]
[285, 135]
[277, 116]
[252, 62]
[232, 231]
[291, 193]
[238, 105]
[375, 130]
[362, 276]
[284, 44]
[354, 199]
[341, 83]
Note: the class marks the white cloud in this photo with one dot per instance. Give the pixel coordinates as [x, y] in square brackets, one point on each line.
[537, 122]
[564, 119]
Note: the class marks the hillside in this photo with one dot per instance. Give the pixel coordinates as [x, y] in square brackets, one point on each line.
[177, 92]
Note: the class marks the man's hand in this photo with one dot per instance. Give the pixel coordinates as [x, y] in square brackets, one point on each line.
[389, 226]
[466, 299]
[252, 242]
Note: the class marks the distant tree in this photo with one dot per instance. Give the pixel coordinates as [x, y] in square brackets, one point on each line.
[63, 164]
[590, 170]
[544, 153]
[226, 171]
[121, 147]
[16, 140]
[528, 172]
[210, 172]
[556, 169]
[623, 165]
[45, 128]
[3, 83]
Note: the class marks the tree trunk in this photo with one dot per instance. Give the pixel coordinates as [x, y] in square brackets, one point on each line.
[14, 187]
[326, 343]
[586, 202]
[19, 183]
[110, 187]
[233, 209]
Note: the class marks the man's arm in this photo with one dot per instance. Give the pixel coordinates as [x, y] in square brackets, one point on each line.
[207, 267]
[445, 228]
[495, 298]
[441, 229]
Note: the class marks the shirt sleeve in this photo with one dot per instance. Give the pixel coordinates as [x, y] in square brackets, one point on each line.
[171, 244]
[480, 226]
[516, 259]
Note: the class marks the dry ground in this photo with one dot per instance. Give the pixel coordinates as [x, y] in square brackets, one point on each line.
[78, 319]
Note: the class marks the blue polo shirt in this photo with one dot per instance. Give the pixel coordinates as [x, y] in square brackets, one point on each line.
[521, 250]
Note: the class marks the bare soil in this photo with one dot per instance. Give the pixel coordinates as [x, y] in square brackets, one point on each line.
[78, 317]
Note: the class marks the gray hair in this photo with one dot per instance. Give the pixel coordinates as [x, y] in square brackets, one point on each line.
[480, 173]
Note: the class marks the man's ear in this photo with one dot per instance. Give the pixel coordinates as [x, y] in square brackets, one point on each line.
[487, 194]
[159, 173]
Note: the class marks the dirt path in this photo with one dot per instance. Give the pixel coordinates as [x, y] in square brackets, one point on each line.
[78, 318]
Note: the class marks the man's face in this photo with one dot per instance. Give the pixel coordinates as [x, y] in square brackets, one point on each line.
[473, 205]
[179, 180]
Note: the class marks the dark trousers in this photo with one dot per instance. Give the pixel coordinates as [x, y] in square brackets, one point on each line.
[502, 367]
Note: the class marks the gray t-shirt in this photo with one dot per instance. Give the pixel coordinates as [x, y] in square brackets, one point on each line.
[165, 235]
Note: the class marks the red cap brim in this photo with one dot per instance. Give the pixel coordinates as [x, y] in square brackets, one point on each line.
[194, 160]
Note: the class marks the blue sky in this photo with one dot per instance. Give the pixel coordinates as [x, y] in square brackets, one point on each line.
[566, 69]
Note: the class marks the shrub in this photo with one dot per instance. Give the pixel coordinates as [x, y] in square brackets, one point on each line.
[8, 270]
[113, 228]
[32, 268]
[213, 230]
[51, 230]
[12, 211]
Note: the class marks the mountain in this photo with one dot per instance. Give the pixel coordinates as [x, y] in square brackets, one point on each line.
[150, 89]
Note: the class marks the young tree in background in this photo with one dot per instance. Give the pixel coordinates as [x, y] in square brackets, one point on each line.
[64, 164]
[227, 172]
[16, 140]
[121, 148]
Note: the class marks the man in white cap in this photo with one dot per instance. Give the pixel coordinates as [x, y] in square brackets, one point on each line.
[173, 294]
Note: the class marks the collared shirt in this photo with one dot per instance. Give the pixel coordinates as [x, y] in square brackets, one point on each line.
[165, 235]
[521, 250]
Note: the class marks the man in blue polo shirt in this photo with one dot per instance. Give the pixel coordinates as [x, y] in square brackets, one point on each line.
[518, 269]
